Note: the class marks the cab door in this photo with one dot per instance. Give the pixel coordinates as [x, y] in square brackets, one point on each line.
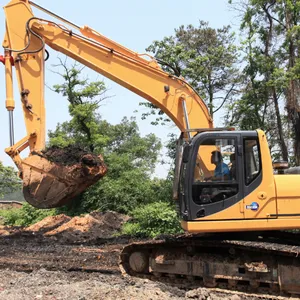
[214, 183]
[257, 172]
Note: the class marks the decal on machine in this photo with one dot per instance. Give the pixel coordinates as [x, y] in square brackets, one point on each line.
[253, 206]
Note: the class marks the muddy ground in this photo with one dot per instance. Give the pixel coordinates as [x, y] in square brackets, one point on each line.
[64, 258]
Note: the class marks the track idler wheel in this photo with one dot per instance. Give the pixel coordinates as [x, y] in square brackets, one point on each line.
[139, 262]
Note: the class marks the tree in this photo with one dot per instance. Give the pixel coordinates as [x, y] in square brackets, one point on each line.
[272, 74]
[288, 25]
[9, 181]
[131, 159]
[259, 97]
[84, 98]
[205, 57]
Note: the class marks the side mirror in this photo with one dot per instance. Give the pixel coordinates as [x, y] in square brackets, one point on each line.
[280, 166]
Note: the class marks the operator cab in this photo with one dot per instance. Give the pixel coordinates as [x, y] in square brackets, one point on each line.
[217, 170]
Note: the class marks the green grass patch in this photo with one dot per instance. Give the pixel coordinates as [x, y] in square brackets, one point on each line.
[152, 220]
[24, 216]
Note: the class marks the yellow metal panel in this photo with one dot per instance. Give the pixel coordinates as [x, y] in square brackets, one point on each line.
[288, 193]
[242, 225]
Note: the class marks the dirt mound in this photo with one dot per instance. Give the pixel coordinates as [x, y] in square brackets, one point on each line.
[49, 223]
[4, 231]
[90, 227]
[110, 218]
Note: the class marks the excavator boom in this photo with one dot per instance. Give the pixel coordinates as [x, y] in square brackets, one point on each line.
[46, 184]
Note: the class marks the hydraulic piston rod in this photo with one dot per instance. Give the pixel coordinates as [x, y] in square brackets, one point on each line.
[9, 103]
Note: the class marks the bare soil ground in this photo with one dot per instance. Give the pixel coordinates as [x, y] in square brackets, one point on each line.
[64, 258]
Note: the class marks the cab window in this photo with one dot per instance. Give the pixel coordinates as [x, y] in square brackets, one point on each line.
[252, 160]
[215, 173]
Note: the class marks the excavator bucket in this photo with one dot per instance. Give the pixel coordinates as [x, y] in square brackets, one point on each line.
[48, 184]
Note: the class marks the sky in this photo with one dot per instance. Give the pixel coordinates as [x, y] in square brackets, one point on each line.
[133, 23]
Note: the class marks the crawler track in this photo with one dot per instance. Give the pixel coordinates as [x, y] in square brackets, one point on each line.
[253, 263]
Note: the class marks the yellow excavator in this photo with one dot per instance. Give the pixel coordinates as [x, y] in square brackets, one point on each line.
[230, 201]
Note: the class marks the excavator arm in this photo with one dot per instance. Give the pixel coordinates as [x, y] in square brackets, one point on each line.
[46, 184]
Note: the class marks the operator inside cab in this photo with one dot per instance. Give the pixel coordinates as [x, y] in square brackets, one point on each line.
[215, 177]
[222, 170]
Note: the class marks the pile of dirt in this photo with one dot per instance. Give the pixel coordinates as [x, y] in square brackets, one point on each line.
[10, 230]
[49, 223]
[91, 227]
[71, 155]
[4, 231]
[96, 226]
[110, 218]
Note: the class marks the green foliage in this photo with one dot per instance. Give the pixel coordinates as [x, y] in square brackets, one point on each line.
[24, 216]
[131, 158]
[9, 180]
[205, 57]
[152, 220]
[269, 97]
[122, 194]
[10, 216]
[84, 98]
[171, 149]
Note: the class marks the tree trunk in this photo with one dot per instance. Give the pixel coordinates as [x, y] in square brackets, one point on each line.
[294, 115]
[272, 91]
[284, 151]
[293, 90]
